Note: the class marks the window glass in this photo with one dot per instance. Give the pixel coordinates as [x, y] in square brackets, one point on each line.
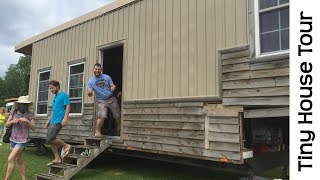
[285, 39]
[284, 18]
[270, 42]
[269, 21]
[42, 98]
[283, 1]
[263, 4]
[76, 87]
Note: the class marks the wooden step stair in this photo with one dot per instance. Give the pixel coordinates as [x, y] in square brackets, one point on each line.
[79, 157]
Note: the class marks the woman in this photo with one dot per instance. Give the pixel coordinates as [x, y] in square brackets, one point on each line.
[21, 120]
[2, 121]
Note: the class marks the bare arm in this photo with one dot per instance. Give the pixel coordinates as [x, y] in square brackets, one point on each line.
[66, 115]
[31, 124]
[112, 87]
[89, 92]
[11, 121]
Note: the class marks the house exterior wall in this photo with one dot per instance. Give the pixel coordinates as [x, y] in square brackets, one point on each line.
[170, 46]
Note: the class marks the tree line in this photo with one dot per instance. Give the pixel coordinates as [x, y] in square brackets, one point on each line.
[15, 83]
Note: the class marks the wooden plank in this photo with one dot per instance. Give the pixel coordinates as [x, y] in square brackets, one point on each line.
[235, 55]
[235, 67]
[249, 83]
[270, 73]
[235, 61]
[173, 110]
[224, 137]
[206, 132]
[164, 118]
[270, 64]
[234, 49]
[236, 75]
[224, 120]
[224, 146]
[254, 92]
[223, 154]
[224, 112]
[263, 113]
[191, 134]
[164, 125]
[282, 81]
[190, 104]
[70, 122]
[227, 128]
[265, 101]
[164, 140]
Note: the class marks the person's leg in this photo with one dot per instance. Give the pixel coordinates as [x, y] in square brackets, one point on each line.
[114, 107]
[1, 130]
[101, 115]
[22, 168]
[58, 142]
[13, 155]
[52, 133]
[55, 152]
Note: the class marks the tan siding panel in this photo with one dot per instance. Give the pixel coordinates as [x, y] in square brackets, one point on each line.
[115, 26]
[148, 50]
[230, 12]
[162, 53]
[136, 48]
[192, 48]
[110, 28]
[184, 84]
[130, 53]
[201, 49]
[211, 67]
[155, 46]
[241, 22]
[120, 23]
[176, 48]
[125, 63]
[142, 51]
[168, 49]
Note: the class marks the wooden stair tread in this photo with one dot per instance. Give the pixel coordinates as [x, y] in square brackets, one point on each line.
[64, 166]
[76, 156]
[48, 175]
[85, 146]
[96, 138]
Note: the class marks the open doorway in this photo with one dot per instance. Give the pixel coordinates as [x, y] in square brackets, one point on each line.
[112, 60]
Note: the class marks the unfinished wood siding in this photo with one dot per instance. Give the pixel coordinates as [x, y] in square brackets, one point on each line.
[78, 127]
[185, 129]
[170, 46]
[254, 82]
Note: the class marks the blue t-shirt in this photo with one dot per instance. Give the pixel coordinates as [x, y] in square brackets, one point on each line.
[101, 86]
[59, 105]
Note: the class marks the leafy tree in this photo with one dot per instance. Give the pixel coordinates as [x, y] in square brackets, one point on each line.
[16, 80]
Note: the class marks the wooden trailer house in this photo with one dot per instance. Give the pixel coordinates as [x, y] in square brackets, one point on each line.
[202, 79]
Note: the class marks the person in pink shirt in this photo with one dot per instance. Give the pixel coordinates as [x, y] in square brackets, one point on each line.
[21, 120]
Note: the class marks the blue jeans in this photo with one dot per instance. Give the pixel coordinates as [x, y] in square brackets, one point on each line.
[1, 130]
[17, 145]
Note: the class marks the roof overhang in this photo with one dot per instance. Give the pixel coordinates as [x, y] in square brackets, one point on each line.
[25, 47]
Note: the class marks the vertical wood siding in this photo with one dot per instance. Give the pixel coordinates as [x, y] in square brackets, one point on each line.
[170, 46]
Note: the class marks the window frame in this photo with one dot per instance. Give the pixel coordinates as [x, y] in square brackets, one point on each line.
[257, 29]
[82, 98]
[38, 89]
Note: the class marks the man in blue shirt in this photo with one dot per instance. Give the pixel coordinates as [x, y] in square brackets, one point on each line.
[59, 117]
[103, 87]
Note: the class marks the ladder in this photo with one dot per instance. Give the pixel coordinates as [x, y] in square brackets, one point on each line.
[79, 157]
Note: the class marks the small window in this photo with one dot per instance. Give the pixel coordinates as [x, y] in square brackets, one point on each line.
[76, 87]
[42, 98]
[272, 23]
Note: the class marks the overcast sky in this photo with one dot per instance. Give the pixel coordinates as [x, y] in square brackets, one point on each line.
[23, 19]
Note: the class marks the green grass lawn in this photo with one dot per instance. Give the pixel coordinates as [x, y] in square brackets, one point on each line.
[116, 168]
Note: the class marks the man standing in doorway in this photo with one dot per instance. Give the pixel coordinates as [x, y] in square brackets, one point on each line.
[103, 86]
[59, 117]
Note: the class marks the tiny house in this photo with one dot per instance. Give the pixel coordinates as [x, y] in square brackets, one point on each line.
[201, 79]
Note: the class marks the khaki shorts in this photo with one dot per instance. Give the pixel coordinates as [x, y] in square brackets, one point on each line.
[111, 103]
